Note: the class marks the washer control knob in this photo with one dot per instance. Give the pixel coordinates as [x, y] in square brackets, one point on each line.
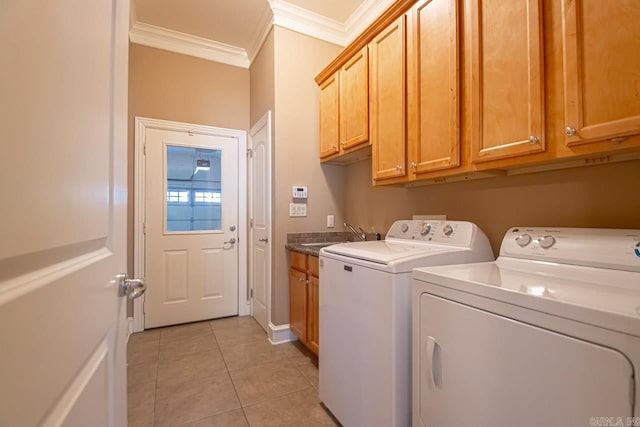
[404, 228]
[523, 240]
[447, 230]
[546, 242]
[425, 228]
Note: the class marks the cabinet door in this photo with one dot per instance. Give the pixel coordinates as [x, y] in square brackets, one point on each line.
[329, 117]
[298, 303]
[507, 112]
[433, 86]
[602, 69]
[387, 102]
[354, 101]
[313, 296]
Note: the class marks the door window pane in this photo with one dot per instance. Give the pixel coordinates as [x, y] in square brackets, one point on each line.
[194, 192]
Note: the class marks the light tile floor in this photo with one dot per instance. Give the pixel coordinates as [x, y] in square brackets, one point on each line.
[221, 373]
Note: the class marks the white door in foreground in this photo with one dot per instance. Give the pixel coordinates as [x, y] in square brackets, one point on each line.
[63, 114]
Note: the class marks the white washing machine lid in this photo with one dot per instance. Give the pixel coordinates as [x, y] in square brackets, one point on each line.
[598, 296]
[387, 252]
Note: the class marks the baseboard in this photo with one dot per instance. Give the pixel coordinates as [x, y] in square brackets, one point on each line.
[280, 334]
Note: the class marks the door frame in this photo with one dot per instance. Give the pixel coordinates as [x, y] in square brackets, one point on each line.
[264, 121]
[141, 126]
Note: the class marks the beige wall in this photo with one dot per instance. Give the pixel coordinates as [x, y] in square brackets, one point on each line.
[170, 86]
[262, 86]
[298, 59]
[593, 196]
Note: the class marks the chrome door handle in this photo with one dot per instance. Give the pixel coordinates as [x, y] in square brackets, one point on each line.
[131, 288]
[231, 241]
[264, 239]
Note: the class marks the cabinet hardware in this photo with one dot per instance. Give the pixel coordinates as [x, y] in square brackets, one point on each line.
[617, 140]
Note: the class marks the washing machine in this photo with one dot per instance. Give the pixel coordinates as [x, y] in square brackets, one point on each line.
[546, 335]
[365, 316]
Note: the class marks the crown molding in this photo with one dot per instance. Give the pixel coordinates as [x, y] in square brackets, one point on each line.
[303, 21]
[278, 12]
[186, 44]
[262, 32]
[363, 16]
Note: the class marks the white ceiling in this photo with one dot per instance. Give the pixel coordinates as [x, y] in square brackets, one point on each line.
[338, 10]
[226, 21]
[232, 31]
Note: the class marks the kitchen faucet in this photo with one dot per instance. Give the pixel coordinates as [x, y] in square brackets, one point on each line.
[360, 233]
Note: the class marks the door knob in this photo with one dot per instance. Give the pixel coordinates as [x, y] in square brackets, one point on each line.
[231, 241]
[131, 288]
[264, 239]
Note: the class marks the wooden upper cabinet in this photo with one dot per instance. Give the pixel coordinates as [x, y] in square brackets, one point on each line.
[433, 83]
[507, 111]
[329, 116]
[354, 101]
[602, 70]
[387, 102]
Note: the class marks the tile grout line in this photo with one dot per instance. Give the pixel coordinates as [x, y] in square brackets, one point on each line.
[155, 389]
[224, 360]
[235, 390]
[242, 405]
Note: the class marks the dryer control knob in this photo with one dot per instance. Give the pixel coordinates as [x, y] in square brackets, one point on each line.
[404, 228]
[546, 242]
[447, 230]
[425, 228]
[523, 240]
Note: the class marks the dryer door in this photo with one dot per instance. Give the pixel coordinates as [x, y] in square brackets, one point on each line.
[477, 368]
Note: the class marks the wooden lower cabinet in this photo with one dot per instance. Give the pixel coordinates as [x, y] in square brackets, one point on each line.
[313, 304]
[298, 303]
[304, 292]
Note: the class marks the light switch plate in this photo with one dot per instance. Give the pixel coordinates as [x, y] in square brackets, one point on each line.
[330, 221]
[297, 209]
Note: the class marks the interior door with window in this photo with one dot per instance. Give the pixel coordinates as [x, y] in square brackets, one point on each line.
[191, 227]
[63, 114]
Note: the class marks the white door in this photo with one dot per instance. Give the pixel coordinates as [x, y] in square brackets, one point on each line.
[260, 220]
[478, 368]
[63, 114]
[191, 232]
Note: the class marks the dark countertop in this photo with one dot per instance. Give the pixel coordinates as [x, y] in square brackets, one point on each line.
[308, 248]
[311, 243]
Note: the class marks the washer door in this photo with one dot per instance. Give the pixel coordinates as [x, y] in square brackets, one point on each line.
[477, 368]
